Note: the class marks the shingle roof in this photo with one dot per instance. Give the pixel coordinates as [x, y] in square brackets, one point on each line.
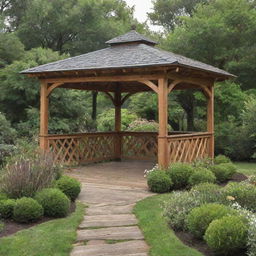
[131, 36]
[123, 56]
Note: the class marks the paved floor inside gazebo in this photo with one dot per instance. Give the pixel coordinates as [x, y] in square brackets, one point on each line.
[124, 173]
[110, 190]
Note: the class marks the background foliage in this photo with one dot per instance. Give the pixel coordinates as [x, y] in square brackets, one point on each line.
[219, 32]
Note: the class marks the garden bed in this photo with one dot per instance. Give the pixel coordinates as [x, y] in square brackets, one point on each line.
[11, 227]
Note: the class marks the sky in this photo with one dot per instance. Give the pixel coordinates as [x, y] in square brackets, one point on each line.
[142, 7]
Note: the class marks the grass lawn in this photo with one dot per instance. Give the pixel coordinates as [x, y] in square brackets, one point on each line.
[47, 239]
[246, 168]
[158, 235]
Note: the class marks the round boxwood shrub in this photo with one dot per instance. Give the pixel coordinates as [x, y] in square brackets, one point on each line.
[227, 235]
[199, 218]
[201, 175]
[221, 159]
[27, 210]
[244, 194]
[159, 182]
[69, 186]
[206, 187]
[55, 203]
[180, 174]
[223, 172]
[6, 208]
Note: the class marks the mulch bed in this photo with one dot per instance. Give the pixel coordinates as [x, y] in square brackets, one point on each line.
[199, 245]
[11, 227]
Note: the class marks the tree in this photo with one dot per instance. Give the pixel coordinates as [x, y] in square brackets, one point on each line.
[167, 13]
[19, 98]
[73, 26]
[10, 48]
[221, 33]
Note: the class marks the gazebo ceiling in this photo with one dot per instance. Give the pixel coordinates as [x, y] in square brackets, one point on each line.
[131, 52]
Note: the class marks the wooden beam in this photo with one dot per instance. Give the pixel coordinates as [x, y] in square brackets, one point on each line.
[113, 78]
[44, 102]
[189, 80]
[149, 84]
[52, 87]
[110, 97]
[173, 84]
[127, 96]
[163, 122]
[118, 142]
[210, 120]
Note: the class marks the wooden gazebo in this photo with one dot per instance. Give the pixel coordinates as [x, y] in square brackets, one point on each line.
[131, 64]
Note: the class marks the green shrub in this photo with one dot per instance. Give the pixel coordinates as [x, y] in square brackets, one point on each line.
[27, 210]
[3, 196]
[199, 218]
[221, 159]
[209, 193]
[6, 208]
[244, 194]
[223, 172]
[178, 206]
[69, 186]
[201, 175]
[55, 203]
[180, 174]
[159, 182]
[1, 226]
[227, 235]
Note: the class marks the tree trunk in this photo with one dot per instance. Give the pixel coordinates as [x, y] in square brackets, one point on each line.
[94, 105]
[190, 118]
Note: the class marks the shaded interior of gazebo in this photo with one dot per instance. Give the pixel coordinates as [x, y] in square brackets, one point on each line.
[131, 64]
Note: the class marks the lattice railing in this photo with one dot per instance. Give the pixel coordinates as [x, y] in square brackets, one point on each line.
[188, 147]
[139, 145]
[82, 148]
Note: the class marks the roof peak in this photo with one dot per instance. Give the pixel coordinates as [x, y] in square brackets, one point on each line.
[131, 37]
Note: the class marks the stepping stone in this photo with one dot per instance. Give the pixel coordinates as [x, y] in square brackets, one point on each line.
[109, 209]
[114, 233]
[130, 248]
[109, 221]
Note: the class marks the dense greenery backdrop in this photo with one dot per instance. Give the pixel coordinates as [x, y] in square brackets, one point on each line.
[218, 32]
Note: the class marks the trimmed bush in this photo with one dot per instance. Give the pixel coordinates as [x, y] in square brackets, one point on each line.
[201, 175]
[159, 182]
[199, 218]
[244, 194]
[221, 159]
[209, 193]
[223, 172]
[27, 210]
[6, 208]
[227, 235]
[180, 174]
[69, 186]
[55, 203]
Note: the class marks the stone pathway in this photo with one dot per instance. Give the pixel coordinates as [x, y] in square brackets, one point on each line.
[109, 227]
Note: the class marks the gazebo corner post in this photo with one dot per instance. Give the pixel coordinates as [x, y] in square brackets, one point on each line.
[163, 158]
[118, 139]
[210, 120]
[44, 112]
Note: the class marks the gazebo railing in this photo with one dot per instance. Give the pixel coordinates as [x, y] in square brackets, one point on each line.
[189, 147]
[101, 146]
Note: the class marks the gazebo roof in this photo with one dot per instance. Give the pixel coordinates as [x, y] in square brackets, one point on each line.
[131, 50]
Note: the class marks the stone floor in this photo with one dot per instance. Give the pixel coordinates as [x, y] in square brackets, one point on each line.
[111, 190]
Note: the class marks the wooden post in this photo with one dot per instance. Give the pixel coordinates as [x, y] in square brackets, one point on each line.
[44, 102]
[210, 120]
[118, 142]
[163, 122]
